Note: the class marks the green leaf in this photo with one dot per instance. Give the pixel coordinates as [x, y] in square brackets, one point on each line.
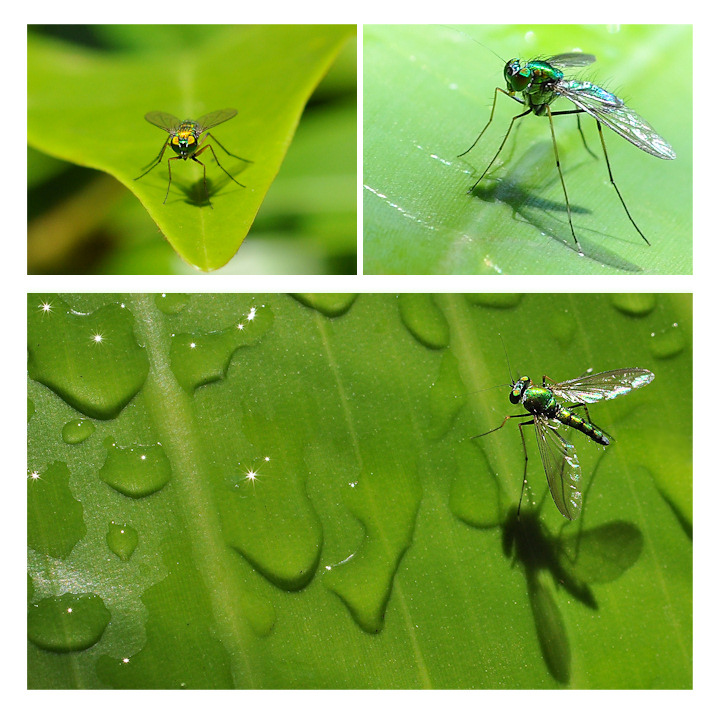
[88, 108]
[418, 217]
[293, 497]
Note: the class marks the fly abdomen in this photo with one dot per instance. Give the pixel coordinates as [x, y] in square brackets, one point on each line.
[573, 420]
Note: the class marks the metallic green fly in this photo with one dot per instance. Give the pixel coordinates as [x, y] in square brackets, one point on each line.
[541, 82]
[559, 458]
[185, 137]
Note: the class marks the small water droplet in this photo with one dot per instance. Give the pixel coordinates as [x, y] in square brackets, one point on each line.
[171, 303]
[76, 431]
[122, 540]
[67, 623]
[495, 300]
[330, 304]
[668, 342]
[634, 304]
[136, 471]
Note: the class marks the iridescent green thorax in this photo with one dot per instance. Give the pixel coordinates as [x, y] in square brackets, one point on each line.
[536, 80]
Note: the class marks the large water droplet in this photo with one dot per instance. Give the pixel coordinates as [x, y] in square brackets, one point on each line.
[91, 361]
[447, 396]
[386, 503]
[67, 623]
[424, 319]
[136, 471]
[267, 517]
[202, 358]
[54, 516]
[76, 431]
[122, 540]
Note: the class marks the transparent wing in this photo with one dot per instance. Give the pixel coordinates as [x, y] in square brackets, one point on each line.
[562, 467]
[603, 386]
[610, 110]
[215, 118]
[163, 120]
[568, 60]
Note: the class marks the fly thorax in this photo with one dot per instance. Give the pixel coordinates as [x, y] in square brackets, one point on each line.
[539, 401]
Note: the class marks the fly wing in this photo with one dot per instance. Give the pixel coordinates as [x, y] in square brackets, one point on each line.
[163, 120]
[602, 386]
[610, 110]
[215, 118]
[568, 60]
[562, 467]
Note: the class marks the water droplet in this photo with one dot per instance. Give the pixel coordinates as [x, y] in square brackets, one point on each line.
[447, 396]
[199, 359]
[634, 304]
[67, 623]
[423, 318]
[563, 326]
[267, 517]
[54, 517]
[136, 471]
[329, 304]
[495, 300]
[91, 361]
[667, 343]
[76, 431]
[474, 493]
[122, 540]
[386, 504]
[171, 303]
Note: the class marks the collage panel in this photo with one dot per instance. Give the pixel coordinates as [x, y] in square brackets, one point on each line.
[262, 117]
[527, 149]
[368, 491]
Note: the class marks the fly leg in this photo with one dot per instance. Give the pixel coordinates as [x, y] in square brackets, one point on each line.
[170, 176]
[617, 190]
[507, 134]
[524, 482]
[227, 151]
[156, 161]
[562, 180]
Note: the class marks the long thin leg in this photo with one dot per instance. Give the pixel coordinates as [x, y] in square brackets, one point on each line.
[562, 181]
[502, 424]
[578, 113]
[210, 147]
[607, 161]
[227, 151]
[170, 176]
[492, 113]
[502, 145]
[524, 482]
[156, 161]
[207, 195]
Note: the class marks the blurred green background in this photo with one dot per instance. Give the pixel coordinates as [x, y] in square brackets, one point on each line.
[84, 221]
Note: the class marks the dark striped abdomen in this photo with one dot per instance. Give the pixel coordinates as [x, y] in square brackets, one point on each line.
[584, 426]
